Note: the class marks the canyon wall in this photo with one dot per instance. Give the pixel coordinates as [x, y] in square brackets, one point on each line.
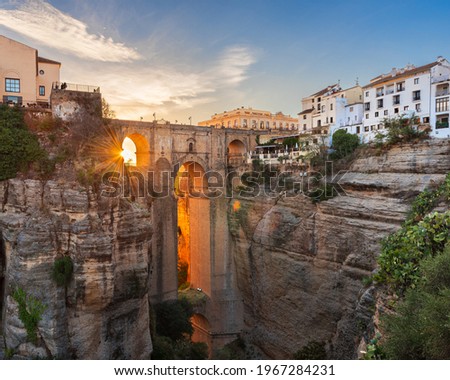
[103, 313]
[300, 265]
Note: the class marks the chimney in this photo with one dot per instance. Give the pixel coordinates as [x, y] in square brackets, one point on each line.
[440, 59]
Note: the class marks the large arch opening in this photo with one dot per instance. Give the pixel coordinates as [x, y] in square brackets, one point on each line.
[135, 151]
[193, 214]
[236, 153]
[2, 279]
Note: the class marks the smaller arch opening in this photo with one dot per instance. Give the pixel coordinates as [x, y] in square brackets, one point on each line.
[191, 147]
[129, 152]
[236, 153]
[135, 151]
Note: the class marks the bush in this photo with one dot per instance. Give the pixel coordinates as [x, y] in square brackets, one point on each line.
[402, 128]
[173, 319]
[402, 252]
[19, 147]
[344, 143]
[312, 351]
[30, 312]
[62, 271]
[420, 327]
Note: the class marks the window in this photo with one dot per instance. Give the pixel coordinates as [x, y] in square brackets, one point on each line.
[416, 80]
[377, 114]
[367, 115]
[367, 106]
[351, 109]
[426, 119]
[418, 108]
[416, 95]
[396, 99]
[191, 147]
[405, 108]
[396, 110]
[331, 119]
[379, 126]
[326, 121]
[380, 103]
[12, 99]
[367, 94]
[358, 129]
[372, 127]
[390, 89]
[304, 117]
[41, 90]
[380, 91]
[323, 108]
[386, 112]
[304, 127]
[366, 129]
[442, 105]
[400, 86]
[331, 107]
[319, 123]
[318, 100]
[442, 122]
[12, 85]
[244, 124]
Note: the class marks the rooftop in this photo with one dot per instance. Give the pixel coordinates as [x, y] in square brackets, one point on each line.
[407, 71]
[46, 60]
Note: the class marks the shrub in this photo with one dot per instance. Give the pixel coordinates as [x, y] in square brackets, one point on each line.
[62, 271]
[30, 312]
[420, 327]
[402, 128]
[344, 143]
[19, 147]
[402, 251]
[173, 319]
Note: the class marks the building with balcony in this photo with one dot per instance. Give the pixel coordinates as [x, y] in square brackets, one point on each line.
[327, 110]
[249, 118]
[420, 91]
[26, 78]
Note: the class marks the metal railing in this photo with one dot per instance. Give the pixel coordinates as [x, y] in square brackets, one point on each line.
[75, 87]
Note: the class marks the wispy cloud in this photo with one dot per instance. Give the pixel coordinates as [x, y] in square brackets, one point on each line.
[42, 22]
[154, 81]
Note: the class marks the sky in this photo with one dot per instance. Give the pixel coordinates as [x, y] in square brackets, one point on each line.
[182, 59]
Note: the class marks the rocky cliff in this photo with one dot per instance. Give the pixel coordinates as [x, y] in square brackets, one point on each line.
[300, 265]
[103, 313]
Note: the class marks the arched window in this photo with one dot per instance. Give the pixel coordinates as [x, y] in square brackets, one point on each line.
[191, 147]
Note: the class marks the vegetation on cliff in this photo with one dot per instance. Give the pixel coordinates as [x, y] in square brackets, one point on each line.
[19, 147]
[415, 266]
[173, 332]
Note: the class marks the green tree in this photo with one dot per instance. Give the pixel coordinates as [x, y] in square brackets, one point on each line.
[344, 143]
[19, 147]
[173, 319]
[420, 327]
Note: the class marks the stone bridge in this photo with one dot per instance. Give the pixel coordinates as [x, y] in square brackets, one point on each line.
[190, 221]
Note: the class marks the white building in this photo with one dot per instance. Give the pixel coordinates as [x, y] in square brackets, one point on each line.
[417, 91]
[328, 110]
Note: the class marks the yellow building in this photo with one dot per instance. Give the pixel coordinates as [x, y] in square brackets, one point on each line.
[26, 78]
[249, 118]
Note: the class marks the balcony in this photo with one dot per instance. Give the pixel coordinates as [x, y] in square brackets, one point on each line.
[380, 93]
[442, 92]
[75, 87]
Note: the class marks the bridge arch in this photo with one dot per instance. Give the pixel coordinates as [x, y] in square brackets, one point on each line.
[140, 157]
[193, 226]
[236, 152]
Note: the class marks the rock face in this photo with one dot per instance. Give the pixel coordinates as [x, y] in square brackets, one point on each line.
[104, 312]
[300, 264]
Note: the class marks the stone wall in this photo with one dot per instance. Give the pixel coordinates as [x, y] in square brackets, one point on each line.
[104, 311]
[300, 265]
